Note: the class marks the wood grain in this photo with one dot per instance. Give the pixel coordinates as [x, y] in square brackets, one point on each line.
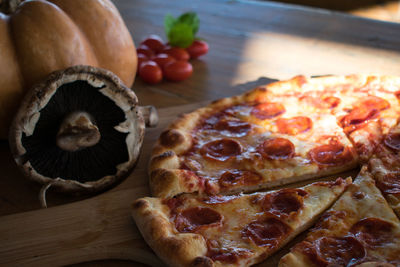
[93, 229]
[247, 40]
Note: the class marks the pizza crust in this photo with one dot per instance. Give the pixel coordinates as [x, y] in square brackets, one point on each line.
[293, 259]
[174, 248]
[167, 183]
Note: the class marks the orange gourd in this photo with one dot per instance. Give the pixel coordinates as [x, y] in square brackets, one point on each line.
[38, 37]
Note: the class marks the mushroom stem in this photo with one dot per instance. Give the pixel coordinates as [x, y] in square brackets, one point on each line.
[77, 131]
[150, 115]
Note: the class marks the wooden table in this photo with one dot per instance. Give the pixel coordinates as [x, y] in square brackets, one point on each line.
[249, 41]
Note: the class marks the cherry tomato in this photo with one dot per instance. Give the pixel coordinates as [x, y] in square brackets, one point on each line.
[145, 50]
[178, 70]
[162, 59]
[154, 42]
[141, 58]
[177, 53]
[197, 49]
[150, 72]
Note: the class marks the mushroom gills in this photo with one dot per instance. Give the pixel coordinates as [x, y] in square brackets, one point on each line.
[75, 137]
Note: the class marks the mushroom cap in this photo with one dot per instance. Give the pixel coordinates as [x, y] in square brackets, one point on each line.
[115, 111]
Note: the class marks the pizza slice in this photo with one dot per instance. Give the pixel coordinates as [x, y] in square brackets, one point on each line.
[246, 143]
[366, 107]
[369, 111]
[236, 230]
[359, 230]
[385, 168]
[362, 123]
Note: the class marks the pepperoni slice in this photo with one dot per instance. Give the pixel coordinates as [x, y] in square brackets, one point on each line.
[392, 141]
[331, 101]
[390, 184]
[233, 127]
[267, 232]
[374, 102]
[358, 116]
[221, 150]
[173, 204]
[268, 110]
[373, 231]
[366, 110]
[294, 125]
[284, 201]
[191, 219]
[330, 154]
[339, 251]
[277, 148]
[238, 178]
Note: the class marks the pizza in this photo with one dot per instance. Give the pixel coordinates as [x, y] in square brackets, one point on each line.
[210, 168]
[234, 230]
[385, 167]
[277, 134]
[359, 230]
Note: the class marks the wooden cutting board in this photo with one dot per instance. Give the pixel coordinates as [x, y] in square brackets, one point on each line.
[96, 228]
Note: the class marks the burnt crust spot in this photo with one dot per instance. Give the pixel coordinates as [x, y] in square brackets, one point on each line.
[202, 262]
[358, 195]
[171, 138]
[139, 204]
[162, 156]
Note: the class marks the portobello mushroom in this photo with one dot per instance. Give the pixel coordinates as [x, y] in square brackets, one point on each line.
[80, 130]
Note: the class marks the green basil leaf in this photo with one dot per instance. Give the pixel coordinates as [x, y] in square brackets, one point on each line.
[169, 22]
[181, 34]
[191, 19]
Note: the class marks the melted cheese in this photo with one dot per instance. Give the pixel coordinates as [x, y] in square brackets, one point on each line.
[241, 210]
[324, 129]
[360, 201]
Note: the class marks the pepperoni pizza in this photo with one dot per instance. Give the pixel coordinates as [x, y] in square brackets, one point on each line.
[281, 133]
[359, 230]
[235, 230]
